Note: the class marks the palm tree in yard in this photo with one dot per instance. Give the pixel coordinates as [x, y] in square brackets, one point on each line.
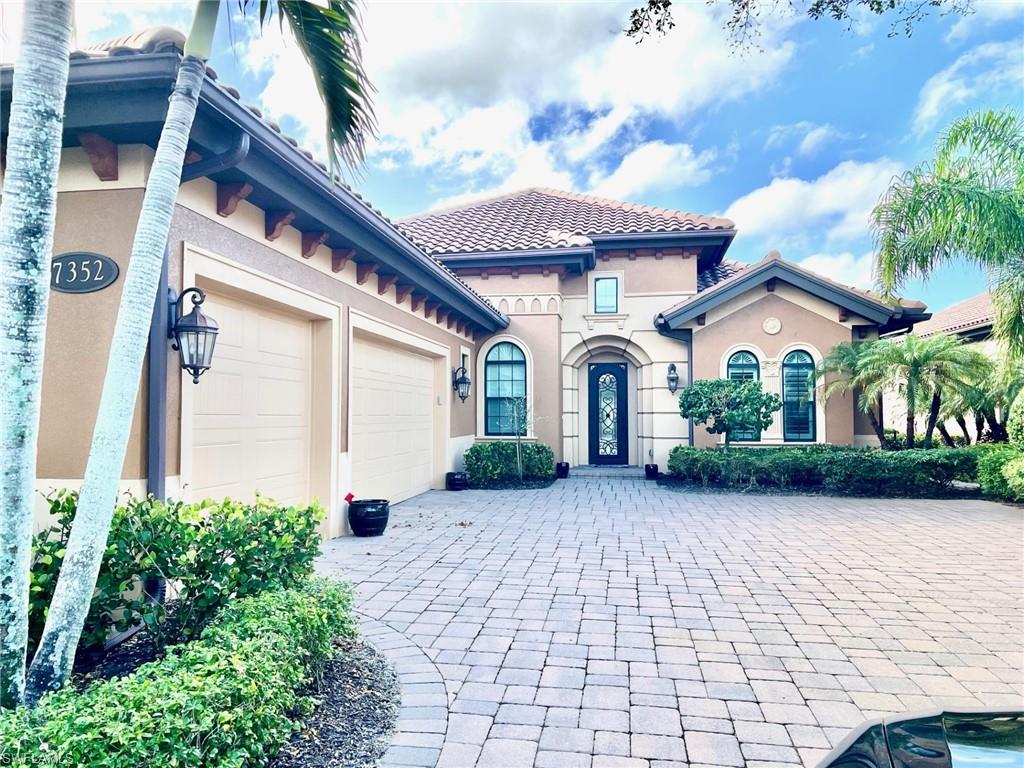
[845, 363]
[328, 35]
[967, 204]
[924, 370]
[27, 211]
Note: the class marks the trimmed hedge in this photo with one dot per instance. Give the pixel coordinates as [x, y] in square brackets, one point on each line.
[222, 701]
[828, 469]
[209, 552]
[1001, 471]
[489, 464]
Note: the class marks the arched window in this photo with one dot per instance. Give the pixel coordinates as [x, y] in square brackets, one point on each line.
[504, 389]
[798, 397]
[743, 366]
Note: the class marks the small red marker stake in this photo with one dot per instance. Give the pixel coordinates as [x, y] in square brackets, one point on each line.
[349, 497]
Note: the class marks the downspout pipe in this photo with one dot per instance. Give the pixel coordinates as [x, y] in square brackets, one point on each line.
[685, 335]
[156, 379]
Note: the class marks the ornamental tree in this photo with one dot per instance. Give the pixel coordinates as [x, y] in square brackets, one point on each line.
[727, 406]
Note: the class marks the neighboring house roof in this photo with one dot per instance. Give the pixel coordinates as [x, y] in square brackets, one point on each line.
[142, 67]
[719, 288]
[539, 218]
[971, 317]
[712, 276]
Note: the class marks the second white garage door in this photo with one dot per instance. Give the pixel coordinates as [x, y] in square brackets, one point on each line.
[392, 448]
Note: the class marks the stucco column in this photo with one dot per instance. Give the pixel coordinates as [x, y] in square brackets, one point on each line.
[771, 381]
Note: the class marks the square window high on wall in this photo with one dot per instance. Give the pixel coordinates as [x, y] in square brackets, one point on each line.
[606, 295]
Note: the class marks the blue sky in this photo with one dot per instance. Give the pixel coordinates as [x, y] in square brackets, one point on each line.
[795, 140]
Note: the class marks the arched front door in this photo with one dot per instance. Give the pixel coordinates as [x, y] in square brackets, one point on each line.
[608, 420]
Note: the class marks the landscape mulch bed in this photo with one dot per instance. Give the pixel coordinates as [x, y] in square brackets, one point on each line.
[357, 701]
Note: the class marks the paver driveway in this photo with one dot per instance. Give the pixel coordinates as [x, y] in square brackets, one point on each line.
[609, 622]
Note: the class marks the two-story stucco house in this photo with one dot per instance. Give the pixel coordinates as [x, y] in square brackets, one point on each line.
[341, 331]
[609, 301]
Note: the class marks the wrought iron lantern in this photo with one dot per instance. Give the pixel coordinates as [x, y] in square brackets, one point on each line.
[673, 378]
[194, 334]
[461, 382]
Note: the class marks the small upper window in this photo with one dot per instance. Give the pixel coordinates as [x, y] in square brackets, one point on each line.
[606, 295]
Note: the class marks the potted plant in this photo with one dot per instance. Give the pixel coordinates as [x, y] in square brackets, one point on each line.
[368, 517]
[651, 471]
[562, 470]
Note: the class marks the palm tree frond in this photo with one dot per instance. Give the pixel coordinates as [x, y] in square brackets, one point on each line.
[328, 34]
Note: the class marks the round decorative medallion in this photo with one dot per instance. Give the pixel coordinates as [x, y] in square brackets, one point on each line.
[771, 325]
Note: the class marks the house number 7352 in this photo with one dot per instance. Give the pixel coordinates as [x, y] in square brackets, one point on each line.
[82, 272]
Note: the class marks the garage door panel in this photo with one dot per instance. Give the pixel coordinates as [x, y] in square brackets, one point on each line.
[251, 421]
[392, 421]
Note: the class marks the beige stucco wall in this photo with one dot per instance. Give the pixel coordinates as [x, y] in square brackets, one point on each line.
[803, 326]
[78, 334]
[673, 273]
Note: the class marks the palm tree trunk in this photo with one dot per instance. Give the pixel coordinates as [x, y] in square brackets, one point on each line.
[933, 417]
[962, 423]
[911, 405]
[946, 437]
[979, 426]
[27, 214]
[997, 430]
[70, 605]
[876, 425]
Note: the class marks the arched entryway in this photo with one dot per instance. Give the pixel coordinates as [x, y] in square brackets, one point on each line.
[603, 382]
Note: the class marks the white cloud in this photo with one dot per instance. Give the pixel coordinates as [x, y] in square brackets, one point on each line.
[836, 205]
[843, 267]
[655, 166]
[563, 76]
[809, 137]
[987, 68]
[987, 13]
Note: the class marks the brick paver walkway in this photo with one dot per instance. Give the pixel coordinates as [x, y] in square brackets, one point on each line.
[610, 623]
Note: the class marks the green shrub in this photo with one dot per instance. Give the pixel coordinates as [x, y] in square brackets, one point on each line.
[1015, 421]
[208, 552]
[495, 463]
[997, 464]
[222, 701]
[831, 469]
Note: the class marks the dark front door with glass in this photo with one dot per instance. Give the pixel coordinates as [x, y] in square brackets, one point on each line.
[608, 418]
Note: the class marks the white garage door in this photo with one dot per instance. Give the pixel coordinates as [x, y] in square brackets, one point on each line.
[392, 421]
[251, 409]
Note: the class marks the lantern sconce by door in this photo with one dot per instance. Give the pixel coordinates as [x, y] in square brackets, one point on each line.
[673, 378]
[194, 334]
[461, 382]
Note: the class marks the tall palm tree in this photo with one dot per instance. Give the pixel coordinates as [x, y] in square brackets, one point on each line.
[923, 368]
[846, 364]
[328, 35]
[967, 203]
[27, 213]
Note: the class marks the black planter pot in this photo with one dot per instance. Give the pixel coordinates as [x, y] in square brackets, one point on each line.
[651, 471]
[456, 481]
[562, 470]
[368, 517]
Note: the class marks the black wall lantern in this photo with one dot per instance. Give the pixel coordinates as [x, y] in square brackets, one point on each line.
[461, 382]
[194, 334]
[673, 378]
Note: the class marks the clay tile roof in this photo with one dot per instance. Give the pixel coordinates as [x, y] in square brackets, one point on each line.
[968, 315]
[719, 272]
[538, 218]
